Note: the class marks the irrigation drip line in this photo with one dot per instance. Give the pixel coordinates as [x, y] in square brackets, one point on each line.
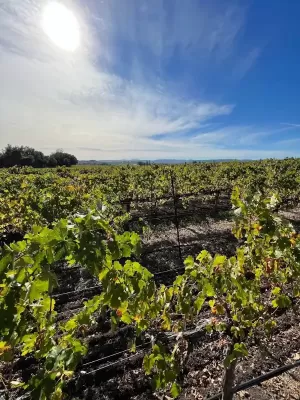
[115, 354]
[265, 349]
[260, 379]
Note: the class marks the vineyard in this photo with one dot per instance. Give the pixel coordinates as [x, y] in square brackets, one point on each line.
[150, 282]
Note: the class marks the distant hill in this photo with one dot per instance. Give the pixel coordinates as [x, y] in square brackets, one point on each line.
[137, 161]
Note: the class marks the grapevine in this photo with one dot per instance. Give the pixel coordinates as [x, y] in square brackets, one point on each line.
[75, 216]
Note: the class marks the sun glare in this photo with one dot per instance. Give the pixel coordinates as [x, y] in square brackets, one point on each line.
[61, 25]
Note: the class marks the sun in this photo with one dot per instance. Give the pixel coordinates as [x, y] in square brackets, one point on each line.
[61, 25]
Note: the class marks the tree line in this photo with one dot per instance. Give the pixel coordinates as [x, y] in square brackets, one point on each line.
[27, 156]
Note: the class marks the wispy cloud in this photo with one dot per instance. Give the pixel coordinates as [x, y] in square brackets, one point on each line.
[115, 97]
[291, 125]
[288, 143]
[162, 28]
[254, 136]
[246, 63]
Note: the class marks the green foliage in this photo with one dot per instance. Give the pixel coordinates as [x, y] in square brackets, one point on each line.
[232, 286]
[20, 156]
[52, 209]
[165, 368]
[28, 319]
[40, 196]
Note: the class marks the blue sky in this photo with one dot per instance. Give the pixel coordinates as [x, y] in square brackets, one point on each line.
[152, 79]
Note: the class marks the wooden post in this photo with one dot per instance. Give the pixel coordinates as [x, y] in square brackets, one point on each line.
[175, 200]
[217, 201]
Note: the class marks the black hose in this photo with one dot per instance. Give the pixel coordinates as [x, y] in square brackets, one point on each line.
[260, 379]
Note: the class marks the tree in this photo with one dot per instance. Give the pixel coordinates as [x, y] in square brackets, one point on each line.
[64, 158]
[27, 156]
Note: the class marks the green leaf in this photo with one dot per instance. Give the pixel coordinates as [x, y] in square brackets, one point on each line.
[57, 395]
[228, 360]
[4, 263]
[38, 287]
[175, 390]
[211, 303]
[126, 318]
[203, 255]
[219, 260]
[157, 350]
[269, 325]
[28, 343]
[143, 324]
[19, 246]
[178, 281]
[240, 350]
[189, 262]
[27, 260]
[274, 303]
[170, 375]
[208, 289]
[103, 274]
[115, 301]
[50, 256]
[276, 290]
[157, 382]
[71, 324]
[282, 301]
[148, 363]
[126, 250]
[16, 384]
[221, 327]
[199, 302]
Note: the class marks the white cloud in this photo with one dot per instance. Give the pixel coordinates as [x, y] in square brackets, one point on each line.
[288, 143]
[69, 104]
[291, 125]
[255, 136]
[51, 98]
[63, 100]
[162, 26]
[246, 63]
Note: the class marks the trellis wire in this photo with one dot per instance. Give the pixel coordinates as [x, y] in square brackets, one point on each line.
[110, 365]
[175, 196]
[58, 295]
[144, 345]
[236, 389]
[246, 385]
[55, 296]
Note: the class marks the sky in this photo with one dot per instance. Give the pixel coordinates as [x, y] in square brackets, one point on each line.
[152, 79]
